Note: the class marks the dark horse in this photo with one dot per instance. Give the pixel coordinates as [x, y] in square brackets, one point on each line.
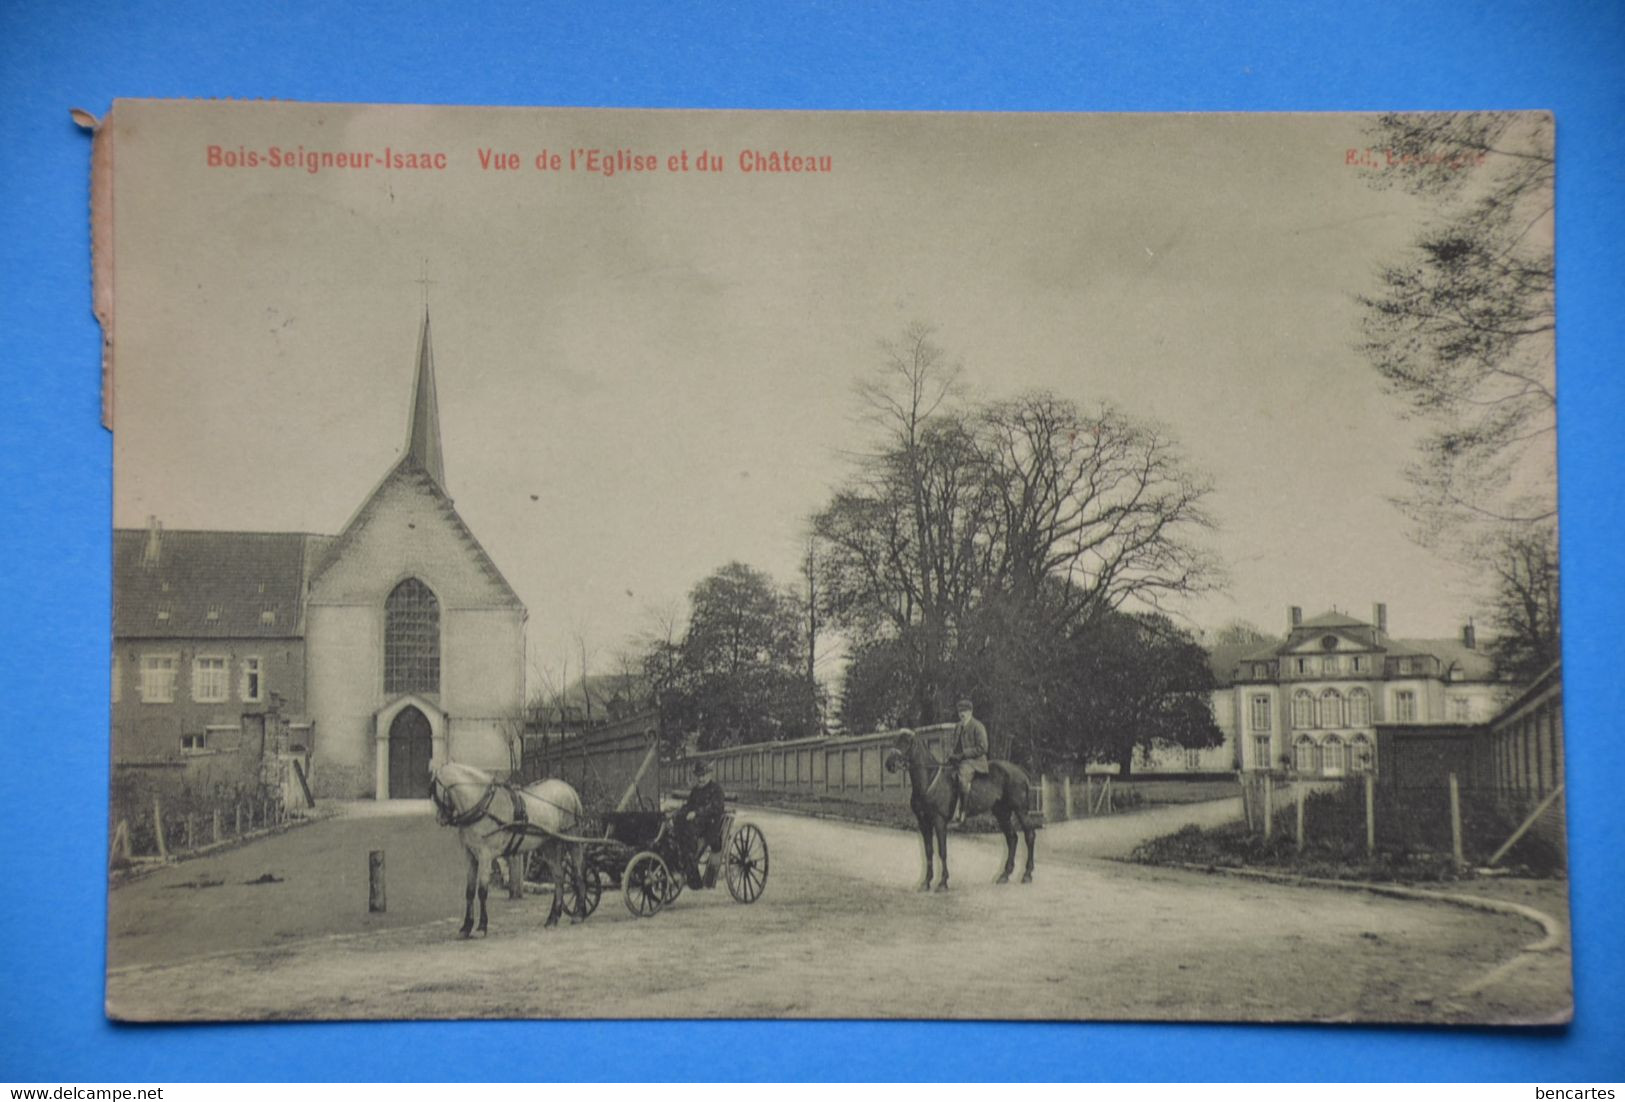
[1005, 791]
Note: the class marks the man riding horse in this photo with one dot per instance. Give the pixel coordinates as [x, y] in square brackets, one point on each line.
[969, 756]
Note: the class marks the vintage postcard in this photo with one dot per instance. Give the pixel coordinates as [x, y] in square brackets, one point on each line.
[651, 564]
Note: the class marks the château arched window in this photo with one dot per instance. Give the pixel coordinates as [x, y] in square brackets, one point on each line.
[1304, 755]
[1303, 709]
[1359, 708]
[411, 640]
[1331, 708]
[1361, 754]
[1331, 755]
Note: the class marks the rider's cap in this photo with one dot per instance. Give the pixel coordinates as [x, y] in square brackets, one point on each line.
[965, 704]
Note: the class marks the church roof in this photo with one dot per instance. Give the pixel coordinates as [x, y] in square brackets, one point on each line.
[211, 585]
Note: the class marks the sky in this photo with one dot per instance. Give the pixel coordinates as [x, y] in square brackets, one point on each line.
[646, 375]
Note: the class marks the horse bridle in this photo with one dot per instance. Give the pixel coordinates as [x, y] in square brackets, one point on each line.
[446, 810]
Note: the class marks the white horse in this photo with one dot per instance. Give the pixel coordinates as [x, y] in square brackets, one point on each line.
[498, 820]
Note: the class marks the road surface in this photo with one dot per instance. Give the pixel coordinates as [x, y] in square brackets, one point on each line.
[839, 932]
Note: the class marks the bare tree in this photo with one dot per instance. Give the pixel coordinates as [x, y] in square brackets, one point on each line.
[1461, 330]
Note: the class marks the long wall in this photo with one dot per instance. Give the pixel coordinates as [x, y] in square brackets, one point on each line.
[849, 767]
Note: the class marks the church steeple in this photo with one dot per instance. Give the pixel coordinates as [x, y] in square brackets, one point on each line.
[423, 431]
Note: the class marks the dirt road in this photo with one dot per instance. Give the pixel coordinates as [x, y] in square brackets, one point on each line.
[840, 932]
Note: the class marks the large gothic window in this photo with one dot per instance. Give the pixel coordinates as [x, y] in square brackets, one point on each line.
[411, 640]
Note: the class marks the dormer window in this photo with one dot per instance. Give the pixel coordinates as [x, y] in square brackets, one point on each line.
[163, 616]
[268, 617]
[213, 615]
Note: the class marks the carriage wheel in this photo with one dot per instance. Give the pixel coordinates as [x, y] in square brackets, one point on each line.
[592, 888]
[675, 881]
[644, 884]
[745, 864]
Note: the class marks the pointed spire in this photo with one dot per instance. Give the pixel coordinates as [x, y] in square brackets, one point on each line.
[423, 432]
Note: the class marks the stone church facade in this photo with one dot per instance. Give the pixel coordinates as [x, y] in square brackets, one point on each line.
[412, 640]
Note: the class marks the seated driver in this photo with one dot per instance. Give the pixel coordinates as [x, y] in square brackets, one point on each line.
[698, 822]
[969, 755]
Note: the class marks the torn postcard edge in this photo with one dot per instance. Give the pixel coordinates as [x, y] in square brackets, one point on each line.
[101, 246]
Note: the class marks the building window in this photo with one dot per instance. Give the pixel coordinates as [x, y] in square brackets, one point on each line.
[1193, 758]
[1461, 710]
[1303, 709]
[1330, 664]
[194, 744]
[116, 678]
[1332, 756]
[1261, 752]
[209, 684]
[1261, 713]
[1303, 665]
[1303, 754]
[1404, 706]
[411, 640]
[1360, 752]
[1357, 662]
[1331, 708]
[253, 689]
[1359, 708]
[158, 678]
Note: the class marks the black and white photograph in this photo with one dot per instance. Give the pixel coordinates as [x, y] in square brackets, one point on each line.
[588, 563]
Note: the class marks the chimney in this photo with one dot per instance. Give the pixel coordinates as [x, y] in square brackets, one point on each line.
[1469, 638]
[1294, 617]
[155, 542]
[1379, 616]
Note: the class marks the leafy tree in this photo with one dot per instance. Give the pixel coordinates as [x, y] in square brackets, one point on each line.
[737, 675]
[1141, 684]
[1461, 330]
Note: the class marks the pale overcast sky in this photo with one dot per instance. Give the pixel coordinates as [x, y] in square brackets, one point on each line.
[642, 377]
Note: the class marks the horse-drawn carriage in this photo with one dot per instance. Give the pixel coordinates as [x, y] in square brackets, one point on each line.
[641, 854]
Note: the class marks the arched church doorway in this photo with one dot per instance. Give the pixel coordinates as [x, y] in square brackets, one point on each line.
[411, 747]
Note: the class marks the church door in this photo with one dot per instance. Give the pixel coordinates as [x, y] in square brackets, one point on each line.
[411, 745]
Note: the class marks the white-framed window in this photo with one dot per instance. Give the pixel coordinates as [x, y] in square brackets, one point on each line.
[1357, 663]
[194, 744]
[1303, 709]
[1360, 753]
[1331, 708]
[1461, 710]
[1359, 708]
[252, 690]
[1303, 754]
[1404, 706]
[1193, 758]
[158, 678]
[1330, 664]
[1261, 751]
[1261, 713]
[116, 677]
[1302, 665]
[1331, 756]
[210, 682]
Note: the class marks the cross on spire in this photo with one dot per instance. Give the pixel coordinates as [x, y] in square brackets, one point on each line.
[425, 282]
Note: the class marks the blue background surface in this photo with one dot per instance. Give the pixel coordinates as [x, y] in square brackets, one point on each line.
[1277, 56]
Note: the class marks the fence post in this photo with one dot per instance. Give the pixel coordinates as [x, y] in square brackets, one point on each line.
[1269, 805]
[1246, 806]
[239, 819]
[1066, 794]
[1297, 791]
[191, 838]
[1370, 815]
[1088, 794]
[158, 826]
[217, 824]
[1455, 822]
[375, 881]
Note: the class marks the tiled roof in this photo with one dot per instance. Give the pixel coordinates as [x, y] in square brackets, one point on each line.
[209, 584]
[1474, 664]
[1333, 620]
[1223, 659]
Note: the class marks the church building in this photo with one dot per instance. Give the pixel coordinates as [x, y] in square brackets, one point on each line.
[395, 645]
